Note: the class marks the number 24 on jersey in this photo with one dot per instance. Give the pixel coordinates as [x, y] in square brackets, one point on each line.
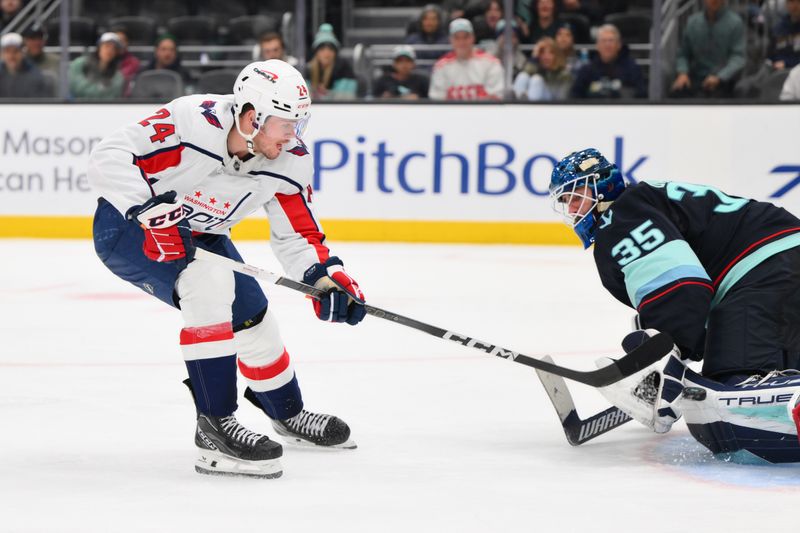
[162, 129]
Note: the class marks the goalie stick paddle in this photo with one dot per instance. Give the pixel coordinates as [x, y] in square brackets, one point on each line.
[576, 429]
[645, 355]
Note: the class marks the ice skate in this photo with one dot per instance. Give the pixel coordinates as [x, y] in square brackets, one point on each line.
[225, 447]
[312, 429]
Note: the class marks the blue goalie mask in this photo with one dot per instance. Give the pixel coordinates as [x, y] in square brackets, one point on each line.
[580, 183]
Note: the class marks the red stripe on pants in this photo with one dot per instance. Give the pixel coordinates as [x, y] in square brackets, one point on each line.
[212, 333]
[260, 373]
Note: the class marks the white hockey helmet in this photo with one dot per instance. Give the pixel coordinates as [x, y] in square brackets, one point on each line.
[273, 88]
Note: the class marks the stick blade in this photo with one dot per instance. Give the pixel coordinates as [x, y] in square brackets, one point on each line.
[578, 431]
[556, 388]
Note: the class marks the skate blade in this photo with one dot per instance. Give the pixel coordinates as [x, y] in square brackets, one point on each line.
[349, 444]
[217, 464]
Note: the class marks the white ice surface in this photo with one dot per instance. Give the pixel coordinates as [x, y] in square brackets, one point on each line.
[97, 428]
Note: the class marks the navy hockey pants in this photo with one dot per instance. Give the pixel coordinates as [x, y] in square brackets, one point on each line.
[118, 243]
[756, 327]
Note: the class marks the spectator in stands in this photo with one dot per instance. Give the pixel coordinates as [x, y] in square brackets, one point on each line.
[611, 73]
[712, 52]
[791, 87]
[129, 64]
[594, 10]
[166, 56]
[466, 73]
[470, 10]
[565, 43]
[97, 75]
[590, 9]
[525, 10]
[546, 77]
[485, 25]
[519, 61]
[35, 38]
[330, 76]
[271, 46]
[8, 10]
[402, 81]
[430, 30]
[455, 9]
[545, 20]
[784, 46]
[19, 78]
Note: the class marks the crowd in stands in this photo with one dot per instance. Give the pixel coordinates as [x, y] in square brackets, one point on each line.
[9, 9]
[330, 76]
[465, 61]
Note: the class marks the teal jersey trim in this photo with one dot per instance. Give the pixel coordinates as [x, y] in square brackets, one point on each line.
[669, 262]
[750, 262]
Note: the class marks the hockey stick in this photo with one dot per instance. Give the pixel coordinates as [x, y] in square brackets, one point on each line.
[576, 429]
[648, 353]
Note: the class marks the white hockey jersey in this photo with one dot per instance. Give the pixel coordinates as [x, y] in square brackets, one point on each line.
[478, 78]
[183, 147]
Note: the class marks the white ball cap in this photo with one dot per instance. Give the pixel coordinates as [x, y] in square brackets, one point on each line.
[460, 25]
[404, 50]
[11, 39]
[110, 37]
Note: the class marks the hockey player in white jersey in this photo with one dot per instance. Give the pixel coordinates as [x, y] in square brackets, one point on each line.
[179, 179]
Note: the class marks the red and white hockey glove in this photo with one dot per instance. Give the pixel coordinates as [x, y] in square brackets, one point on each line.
[344, 301]
[167, 235]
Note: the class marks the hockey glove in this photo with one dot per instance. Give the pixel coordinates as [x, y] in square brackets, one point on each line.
[343, 301]
[167, 235]
[651, 396]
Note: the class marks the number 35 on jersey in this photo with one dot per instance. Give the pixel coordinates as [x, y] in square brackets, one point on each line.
[645, 237]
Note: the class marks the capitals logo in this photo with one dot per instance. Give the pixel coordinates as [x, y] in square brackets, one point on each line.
[271, 76]
[300, 150]
[210, 113]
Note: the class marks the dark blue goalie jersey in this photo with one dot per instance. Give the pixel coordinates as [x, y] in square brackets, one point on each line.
[673, 250]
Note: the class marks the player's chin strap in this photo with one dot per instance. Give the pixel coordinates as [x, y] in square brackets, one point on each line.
[248, 139]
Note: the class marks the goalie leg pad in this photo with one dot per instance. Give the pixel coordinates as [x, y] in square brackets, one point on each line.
[745, 418]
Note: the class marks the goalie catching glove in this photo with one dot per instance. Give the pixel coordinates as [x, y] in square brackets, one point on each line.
[167, 235]
[650, 396]
[343, 300]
